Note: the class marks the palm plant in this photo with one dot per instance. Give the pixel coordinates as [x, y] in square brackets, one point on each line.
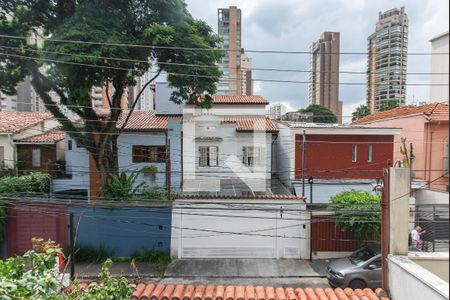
[122, 186]
[360, 112]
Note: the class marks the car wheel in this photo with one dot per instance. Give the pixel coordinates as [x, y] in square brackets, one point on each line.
[357, 284]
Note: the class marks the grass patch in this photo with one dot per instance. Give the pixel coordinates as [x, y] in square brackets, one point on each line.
[93, 254]
[160, 258]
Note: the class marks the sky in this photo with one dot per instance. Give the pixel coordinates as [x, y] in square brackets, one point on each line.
[293, 25]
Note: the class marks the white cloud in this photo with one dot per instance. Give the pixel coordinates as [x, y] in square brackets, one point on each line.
[294, 25]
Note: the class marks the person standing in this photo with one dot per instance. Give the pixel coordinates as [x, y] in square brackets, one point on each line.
[416, 234]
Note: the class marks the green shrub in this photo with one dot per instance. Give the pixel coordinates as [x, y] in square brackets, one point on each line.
[154, 193]
[92, 254]
[122, 187]
[150, 171]
[357, 211]
[34, 183]
[37, 276]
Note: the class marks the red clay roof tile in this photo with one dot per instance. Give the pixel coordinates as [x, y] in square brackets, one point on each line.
[13, 122]
[220, 292]
[51, 136]
[167, 293]
[144, 121]
[217, 99]
[252, 123]
[211, 292]
[435, 111]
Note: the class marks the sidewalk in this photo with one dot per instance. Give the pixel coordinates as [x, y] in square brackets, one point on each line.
[240, 268]
[89, 271]
[213, 270]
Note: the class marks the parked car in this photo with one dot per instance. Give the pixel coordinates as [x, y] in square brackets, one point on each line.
[360, 270]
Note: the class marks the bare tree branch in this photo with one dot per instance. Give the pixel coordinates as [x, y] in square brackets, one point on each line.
[136, 100]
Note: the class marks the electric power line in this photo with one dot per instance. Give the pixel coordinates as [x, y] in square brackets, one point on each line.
[205, 66]
[51, 40]
[216, 77]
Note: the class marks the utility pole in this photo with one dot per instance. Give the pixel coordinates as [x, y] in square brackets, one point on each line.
[71, 248]
[311, 182]
[168, 171]
[303, 162]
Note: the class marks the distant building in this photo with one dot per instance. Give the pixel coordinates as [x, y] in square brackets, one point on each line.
[26, 99]
[8, 103]
[246, 75]
[439, 64]
[296, 116]
[229, 29]
[324, 76]
[276, 111]
[146, 101]
[387, 59]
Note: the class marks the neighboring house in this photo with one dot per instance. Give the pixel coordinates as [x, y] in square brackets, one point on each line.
[43, 152]
[18, 126]
[336, 157]
[426, 127]
[227, 150]
[144, 142]
[224, 226]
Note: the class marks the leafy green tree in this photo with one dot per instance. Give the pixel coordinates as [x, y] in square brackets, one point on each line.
[361, 112]
[321, 114]
[357, 211]
[85, 45]
[389, 104]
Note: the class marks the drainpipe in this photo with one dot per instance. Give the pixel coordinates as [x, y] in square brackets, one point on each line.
[303, 162]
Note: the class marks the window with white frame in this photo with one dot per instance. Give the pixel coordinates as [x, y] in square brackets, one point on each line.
[36, 158]
[208, 156]
[369, 153]
[252, 156]
[354, 153]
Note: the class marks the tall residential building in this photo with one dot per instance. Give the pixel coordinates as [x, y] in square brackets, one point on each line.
[324, 73]
[276, 111]
[229, 29]
[146, 100]
[8, 103]
[439, 64]
[246, 75]
[387, 58]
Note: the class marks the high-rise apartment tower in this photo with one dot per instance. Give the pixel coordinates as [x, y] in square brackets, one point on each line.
[324, 73]
[387, 58]
[229, 29]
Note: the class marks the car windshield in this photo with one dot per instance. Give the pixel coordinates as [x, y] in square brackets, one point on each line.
[361, 256]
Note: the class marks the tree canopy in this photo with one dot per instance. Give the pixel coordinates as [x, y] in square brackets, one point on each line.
[361, 112]
[389, 104]
[357, 211]
[321, 114]
[104, 43]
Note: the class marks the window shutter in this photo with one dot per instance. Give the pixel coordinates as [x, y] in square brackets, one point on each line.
[213, 157]
[137, 154]
[36, 158]
[203, 156]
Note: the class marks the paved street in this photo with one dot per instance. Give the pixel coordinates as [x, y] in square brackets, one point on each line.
[266, 272]
[240, 268]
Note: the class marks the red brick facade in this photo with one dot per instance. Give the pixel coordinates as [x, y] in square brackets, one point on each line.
[331, 156]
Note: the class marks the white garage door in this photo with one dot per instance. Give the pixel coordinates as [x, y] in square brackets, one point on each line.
[239, 230]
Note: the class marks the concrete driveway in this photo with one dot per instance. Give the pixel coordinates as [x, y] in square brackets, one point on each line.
[240, 268]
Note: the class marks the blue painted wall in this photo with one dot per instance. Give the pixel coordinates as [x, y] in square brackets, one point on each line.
[124, 229]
